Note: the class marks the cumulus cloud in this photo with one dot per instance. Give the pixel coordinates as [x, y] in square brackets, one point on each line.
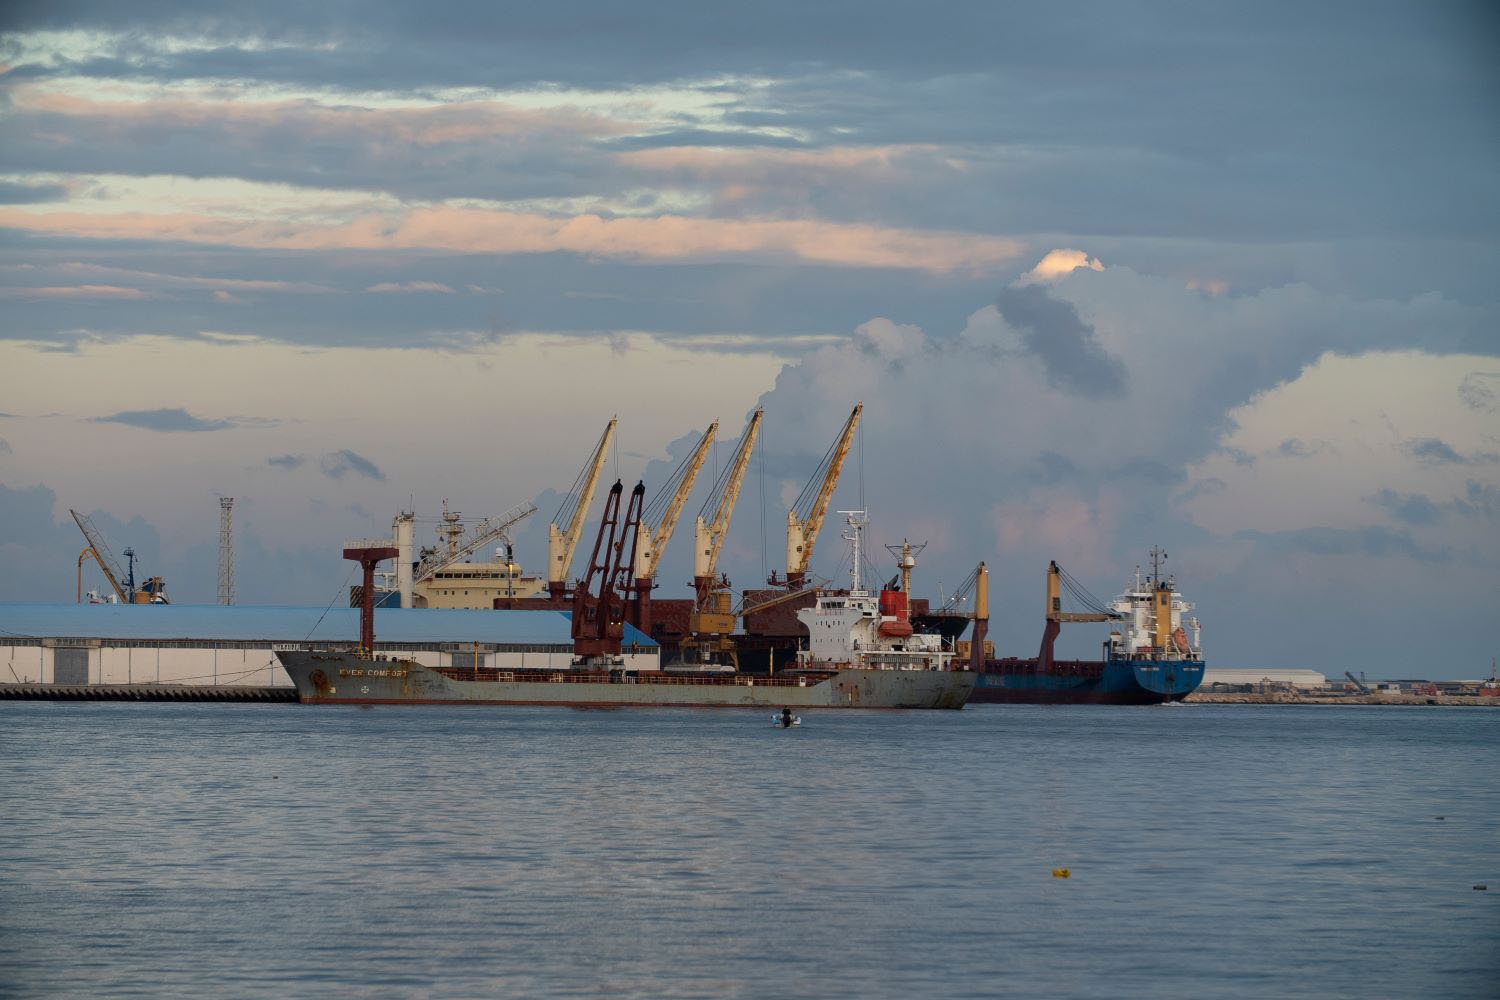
[1392, 442]
[1068, 348]
[1060, 262]
[166, 419]
[338, 463]
[1227, 441]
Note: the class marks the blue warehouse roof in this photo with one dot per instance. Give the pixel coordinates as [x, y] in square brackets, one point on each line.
[245, 623]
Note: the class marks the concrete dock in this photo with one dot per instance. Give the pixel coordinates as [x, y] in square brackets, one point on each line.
[144, 692]
[1310, 698]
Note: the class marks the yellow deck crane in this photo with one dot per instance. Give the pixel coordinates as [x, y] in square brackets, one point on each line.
[1057, 578]
[805, 519]
[153, 591]
[712, 620]
[575, 507]
[658, 521]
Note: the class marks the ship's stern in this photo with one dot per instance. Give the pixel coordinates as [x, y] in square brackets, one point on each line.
[1172, 680]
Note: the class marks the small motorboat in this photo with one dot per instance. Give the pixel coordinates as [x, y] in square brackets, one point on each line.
[785, 719]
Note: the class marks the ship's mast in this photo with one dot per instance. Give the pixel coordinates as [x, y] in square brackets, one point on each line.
[857, 520]
[906, 558]
[1158, 556]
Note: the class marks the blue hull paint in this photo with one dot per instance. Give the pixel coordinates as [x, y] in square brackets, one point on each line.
[1083, 682]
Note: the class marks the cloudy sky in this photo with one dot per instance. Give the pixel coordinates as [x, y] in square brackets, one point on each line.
[1105, 276]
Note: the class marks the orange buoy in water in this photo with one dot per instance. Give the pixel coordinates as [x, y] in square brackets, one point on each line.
[1061, 873]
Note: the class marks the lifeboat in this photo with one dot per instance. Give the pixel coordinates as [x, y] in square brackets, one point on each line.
[895, 620]
[1179, 639]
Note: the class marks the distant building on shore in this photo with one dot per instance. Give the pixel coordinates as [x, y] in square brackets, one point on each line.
[1249, 678]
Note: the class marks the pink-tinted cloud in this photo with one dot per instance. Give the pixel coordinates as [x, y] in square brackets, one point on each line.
[74, 292]
[1059, 263]
[474, 230]
[747, 178]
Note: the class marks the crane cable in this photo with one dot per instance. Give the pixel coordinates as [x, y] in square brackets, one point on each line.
[1082, 596]
[809, 494]
[657, 508]
[962, 593]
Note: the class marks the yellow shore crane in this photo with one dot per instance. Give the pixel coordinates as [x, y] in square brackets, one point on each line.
[805, 519]
[712, 620]
[153, 591]
[658, 522]
[575, 507]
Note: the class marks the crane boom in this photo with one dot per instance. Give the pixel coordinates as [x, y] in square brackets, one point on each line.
[484, 532]
[650, 545]
[560, 544]
[802, 532]
[102, 555]
[743, 609]
[710, 536]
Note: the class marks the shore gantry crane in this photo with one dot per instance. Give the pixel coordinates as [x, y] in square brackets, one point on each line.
[658, 522]
[805, 519]
[575, 507]
[598, 623]
[153, 591]
[712, 619]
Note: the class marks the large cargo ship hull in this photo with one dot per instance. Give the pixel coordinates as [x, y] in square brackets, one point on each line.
[343, 678]
[1085, 682]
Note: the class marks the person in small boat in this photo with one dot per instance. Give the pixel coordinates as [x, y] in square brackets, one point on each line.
[786, 717]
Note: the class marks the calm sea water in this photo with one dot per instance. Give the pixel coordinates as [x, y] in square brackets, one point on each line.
[286, 850]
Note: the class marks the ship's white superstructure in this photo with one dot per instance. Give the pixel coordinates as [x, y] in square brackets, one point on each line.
[853, 629]
[1138, 607]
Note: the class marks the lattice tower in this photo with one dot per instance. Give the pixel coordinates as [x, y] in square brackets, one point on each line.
[226, 550]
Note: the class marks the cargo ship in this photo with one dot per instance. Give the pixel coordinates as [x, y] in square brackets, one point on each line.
[863, 653]
[347, 678]
[1148, 658]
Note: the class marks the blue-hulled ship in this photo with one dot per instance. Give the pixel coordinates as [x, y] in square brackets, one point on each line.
[1148, 658]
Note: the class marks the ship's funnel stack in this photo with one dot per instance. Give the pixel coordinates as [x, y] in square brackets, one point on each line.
[1162, 601]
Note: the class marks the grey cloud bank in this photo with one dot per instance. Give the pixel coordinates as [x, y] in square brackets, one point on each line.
[167, 419]
[336, 464]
